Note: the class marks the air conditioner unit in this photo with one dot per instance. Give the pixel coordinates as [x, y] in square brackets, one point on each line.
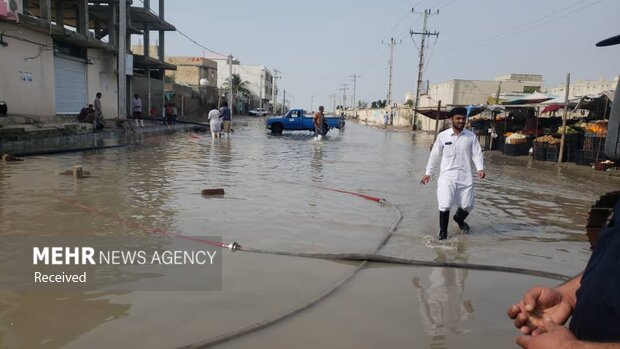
[9, 9]
[4, 9]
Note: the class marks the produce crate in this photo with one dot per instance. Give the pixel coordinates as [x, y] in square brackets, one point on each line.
[580, 159]
[520, 149]
[594, 143]
[553, 152]
[568, 155]
[540, 152]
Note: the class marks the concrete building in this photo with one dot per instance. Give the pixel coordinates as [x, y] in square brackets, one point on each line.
[259, 81]
[60, 53]
[582, 88]
[459, 92]
[193, 71]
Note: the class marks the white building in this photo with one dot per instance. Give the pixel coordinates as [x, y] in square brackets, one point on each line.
[56, 55]
[581, 88]
[258, 80]
[459, 92]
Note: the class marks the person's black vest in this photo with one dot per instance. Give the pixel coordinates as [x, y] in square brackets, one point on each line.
[597, 314]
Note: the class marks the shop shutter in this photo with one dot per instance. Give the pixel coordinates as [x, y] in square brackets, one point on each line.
[70, 80]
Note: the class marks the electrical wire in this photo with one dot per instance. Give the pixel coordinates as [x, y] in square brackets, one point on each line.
[531, 25]
[195, 41]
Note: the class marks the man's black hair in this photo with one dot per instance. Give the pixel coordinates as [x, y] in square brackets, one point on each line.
[225, 104]
[458, 111]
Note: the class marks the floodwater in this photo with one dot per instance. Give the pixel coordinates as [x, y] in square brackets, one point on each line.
[278, 198]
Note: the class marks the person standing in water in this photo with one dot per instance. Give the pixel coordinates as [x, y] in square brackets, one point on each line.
[456, 148]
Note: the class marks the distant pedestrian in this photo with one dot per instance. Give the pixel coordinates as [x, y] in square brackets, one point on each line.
[136, 106]
[98, 116]
[226, 118]
[319, 119]
[174, 113]
[214, 122]
[386, 119]
[168, 114]
[455, 148]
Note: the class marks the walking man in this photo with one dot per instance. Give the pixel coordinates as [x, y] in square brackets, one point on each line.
[136, 106]
[226, 117]
[318, 119]
[97, 120]
[456, 147]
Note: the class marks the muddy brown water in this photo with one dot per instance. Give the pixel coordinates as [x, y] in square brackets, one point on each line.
[526, 216]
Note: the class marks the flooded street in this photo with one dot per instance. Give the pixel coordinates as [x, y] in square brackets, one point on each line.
[278, 198]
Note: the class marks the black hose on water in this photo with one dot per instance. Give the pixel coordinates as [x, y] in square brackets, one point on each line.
[364, 259]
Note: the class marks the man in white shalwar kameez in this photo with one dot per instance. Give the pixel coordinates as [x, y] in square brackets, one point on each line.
[456, 148]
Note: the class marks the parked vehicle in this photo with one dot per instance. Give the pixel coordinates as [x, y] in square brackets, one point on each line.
[258, 112]
[297, 120]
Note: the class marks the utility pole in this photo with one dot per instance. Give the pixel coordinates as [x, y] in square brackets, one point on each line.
[262, 84]
[499, 90]
[424, 33]
[284, 102]
[392, 43]
[122, 54]
[275, 88]
[344, 89]
[230, 84]
[332, 98]
[355, 76]
[564, 116]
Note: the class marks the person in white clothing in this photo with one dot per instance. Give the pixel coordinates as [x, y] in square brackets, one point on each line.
[136, 107]
[456, 148]
[214, 122]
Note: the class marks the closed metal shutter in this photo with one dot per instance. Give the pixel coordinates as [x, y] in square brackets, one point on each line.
[70, 83]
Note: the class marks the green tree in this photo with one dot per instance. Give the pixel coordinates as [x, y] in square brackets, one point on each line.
[238, 86]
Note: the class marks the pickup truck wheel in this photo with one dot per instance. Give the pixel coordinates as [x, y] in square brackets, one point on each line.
[276, 128]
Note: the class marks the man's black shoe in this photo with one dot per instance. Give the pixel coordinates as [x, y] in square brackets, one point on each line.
[459, 218]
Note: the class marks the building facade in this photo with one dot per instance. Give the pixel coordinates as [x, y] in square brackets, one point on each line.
[63, 52]
[258, 80]
[582, 88]
[459, 92]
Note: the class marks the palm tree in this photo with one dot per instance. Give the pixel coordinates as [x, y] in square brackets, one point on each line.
[238, 86]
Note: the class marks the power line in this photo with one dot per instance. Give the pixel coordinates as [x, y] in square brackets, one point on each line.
[194, 41]
[531, 25]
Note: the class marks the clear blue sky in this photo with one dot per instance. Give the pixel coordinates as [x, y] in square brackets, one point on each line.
[318, 44]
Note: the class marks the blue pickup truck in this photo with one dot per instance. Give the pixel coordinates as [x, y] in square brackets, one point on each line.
[296, 120]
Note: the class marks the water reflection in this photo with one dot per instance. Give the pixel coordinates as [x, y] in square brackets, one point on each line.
[442, 305]
[316, 164]
[51, 320]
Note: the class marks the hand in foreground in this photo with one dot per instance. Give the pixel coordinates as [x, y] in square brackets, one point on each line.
[425, 179]
[553, 336]
[537, 304]
[481, 174]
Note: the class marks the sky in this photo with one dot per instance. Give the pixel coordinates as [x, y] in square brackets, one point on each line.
[318, 45]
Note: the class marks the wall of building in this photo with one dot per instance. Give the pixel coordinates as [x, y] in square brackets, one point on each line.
[191, 69]
[582, 88]
[249, 73]
[157, 93]
[27, 72]
[102, 77]
[467, 92]
[401, 116]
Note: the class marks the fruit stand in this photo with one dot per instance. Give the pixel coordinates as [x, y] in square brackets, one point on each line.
[516, 144]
